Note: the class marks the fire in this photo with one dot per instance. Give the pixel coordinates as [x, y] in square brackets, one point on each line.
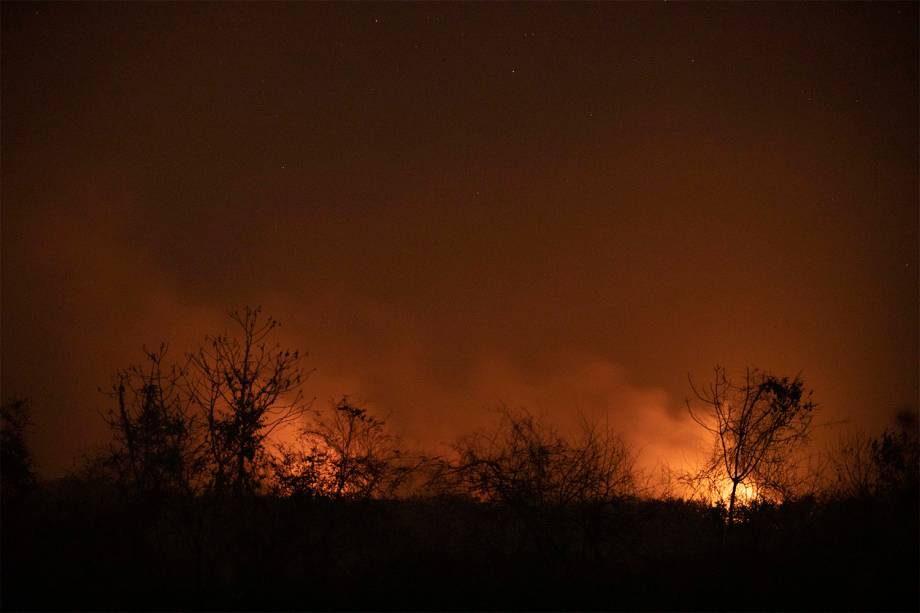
[745, 493]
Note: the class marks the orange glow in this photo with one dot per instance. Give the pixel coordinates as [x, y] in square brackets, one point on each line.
[746, 493]
[671, 202]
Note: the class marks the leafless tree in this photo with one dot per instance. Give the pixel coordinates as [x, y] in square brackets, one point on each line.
[155, 448]
[756, 427]
[246, 388]
[157, 452]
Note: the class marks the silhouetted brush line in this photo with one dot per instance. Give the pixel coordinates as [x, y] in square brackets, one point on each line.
[306, 553]
[187, 508]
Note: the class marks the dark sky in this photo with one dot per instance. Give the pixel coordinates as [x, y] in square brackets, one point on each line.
[562, 206]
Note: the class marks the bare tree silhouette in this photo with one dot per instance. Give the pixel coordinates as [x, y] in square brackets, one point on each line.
[756, 425]
[245, 388]
[155, 448]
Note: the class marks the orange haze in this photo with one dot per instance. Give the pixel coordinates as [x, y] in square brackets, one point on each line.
[449, 206]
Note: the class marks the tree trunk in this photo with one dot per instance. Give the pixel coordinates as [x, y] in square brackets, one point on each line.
[240, 472]
[731, 503]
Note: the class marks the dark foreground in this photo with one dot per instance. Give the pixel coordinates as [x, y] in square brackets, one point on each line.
[68, 547]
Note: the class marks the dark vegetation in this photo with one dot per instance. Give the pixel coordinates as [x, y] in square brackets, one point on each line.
[191, 507]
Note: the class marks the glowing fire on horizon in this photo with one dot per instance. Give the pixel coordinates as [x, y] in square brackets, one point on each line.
[745, 493]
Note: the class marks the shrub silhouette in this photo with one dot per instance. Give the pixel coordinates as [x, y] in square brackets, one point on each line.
[17, 473]
[879, 466]
[525, 462]
[345, 453]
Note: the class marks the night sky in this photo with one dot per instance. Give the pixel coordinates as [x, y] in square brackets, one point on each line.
[560, 206]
